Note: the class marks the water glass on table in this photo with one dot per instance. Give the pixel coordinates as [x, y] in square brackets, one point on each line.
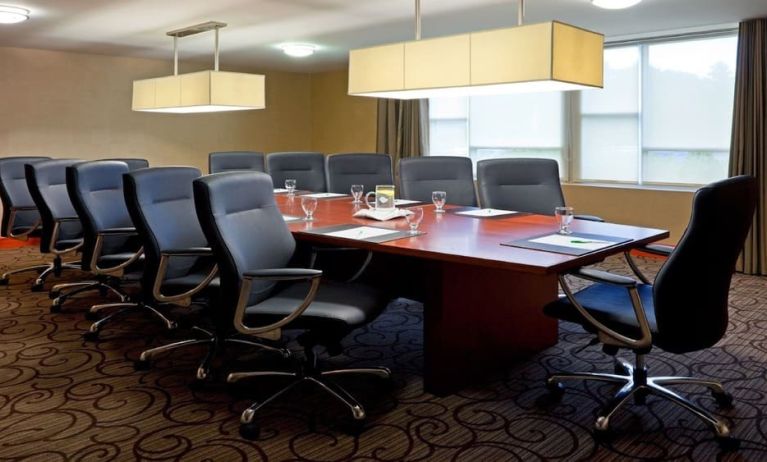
[564, 218]
[439, 198]
[290, 185]
[357, 190]
[309, 204]
[414, 219]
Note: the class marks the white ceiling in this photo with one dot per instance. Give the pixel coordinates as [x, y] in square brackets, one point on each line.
[137, 27]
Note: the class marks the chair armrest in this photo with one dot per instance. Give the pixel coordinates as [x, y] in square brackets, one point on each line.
[603, 277]
[283, 274]
[23, 236]
[190, 252]
[273, 331]
[117, 231]
[658, 249]
[589, 218]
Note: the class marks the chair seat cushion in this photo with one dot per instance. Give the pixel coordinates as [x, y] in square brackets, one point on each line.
[610, 305]
[182, 284]
[336, 304]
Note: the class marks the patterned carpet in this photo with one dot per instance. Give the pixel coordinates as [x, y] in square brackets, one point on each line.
[64, 399]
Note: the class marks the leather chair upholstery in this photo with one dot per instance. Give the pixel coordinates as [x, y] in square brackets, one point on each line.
[344, 170]
[420, 176]
[227, 161]
[686, 308]
[524, 185]
[307, 168]
[254, 249]
[133, 163]
[14, 194]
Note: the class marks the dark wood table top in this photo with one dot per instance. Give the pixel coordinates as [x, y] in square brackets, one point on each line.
[461, 239]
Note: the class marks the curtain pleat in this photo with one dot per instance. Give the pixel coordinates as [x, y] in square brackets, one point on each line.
[748, 154]
[403, 128]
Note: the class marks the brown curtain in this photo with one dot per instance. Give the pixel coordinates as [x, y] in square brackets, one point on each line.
[403, 128]
[749, 134]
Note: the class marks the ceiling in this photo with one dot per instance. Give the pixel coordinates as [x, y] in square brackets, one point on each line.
[137, 27]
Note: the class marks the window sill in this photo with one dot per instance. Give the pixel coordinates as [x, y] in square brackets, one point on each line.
[667, 188]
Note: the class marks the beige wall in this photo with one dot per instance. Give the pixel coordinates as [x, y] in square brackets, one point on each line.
[79, 105]
[341, 123]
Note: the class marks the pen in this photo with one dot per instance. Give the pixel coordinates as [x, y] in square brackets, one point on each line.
[579, 241]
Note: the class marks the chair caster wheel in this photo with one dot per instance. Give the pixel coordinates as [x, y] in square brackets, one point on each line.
[728, 443]
[92, 336]
[103, 292]
[4, 281]
[55, 309]
[91, 316]
[640, 398]
[556, 390]
[54, 294]
[620, 369]
[723, 400]
[140, 365]
[250, 431]
[37, 287]
[353, 427]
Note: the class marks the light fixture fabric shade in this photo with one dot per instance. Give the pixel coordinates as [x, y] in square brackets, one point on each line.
[550, 56]
[205, 91]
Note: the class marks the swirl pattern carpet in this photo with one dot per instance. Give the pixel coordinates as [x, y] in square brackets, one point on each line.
[65, 399]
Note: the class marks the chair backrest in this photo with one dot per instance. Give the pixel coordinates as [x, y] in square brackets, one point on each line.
[14, 192]
[227, 161]
[96, 191]
[46, 181]
[307, 168]
[524, 185]
[692, 288]
[161, 205]
[344, 170]
[245, 231]
[420, 176]
[133, 162]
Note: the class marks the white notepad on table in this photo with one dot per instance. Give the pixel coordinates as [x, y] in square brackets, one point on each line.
[291, 218]
[324, 195]
[486, 213]
[280, 190]
[362, 233]
[574, 242]
[405, 202]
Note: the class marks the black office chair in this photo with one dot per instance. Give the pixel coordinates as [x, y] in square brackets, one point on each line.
[179, 268]
[685, 309]
[61, 233]
[112, 249]
[524, 185]
[133, 163]
[344, 170]
[227, 161]
[254, 247]
[420, 176]
[307, 168]
[20, 217]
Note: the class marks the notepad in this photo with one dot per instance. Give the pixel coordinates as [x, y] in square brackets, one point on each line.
[405, 202]
[280, 190]
[573, 242]
[486, 213]
[291, 218]
[324, 195]
[362, 233]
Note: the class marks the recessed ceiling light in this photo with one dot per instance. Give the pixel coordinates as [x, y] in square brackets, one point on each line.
[12, 14]
[298, 50]
[615, 4]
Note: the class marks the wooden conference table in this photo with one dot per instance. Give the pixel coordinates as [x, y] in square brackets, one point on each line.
[483, 301]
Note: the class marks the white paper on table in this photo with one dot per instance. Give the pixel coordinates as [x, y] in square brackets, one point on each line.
[405, 202]
[486, 212]
[382, 215]
[574, 242]
[361, 233]
[280, 190]
[290, 218]
[324, 195]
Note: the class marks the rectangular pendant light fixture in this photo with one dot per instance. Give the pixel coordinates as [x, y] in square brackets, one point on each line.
[197, 92]
[549, 56]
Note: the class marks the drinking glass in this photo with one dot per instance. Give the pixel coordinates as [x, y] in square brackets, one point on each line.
[564, 218]
[309, 204]
[414, 219]
[439, 198]
[290, 185]
[357, 190]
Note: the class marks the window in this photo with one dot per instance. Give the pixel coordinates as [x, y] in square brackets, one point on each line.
[663, 117]
[488, 127]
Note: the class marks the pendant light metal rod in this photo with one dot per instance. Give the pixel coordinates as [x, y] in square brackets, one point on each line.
[175, 55]
[217, 48]
[418, 19]
[520, 12]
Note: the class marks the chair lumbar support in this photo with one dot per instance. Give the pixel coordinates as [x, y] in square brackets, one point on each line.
[306, 371]
[635, 382]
